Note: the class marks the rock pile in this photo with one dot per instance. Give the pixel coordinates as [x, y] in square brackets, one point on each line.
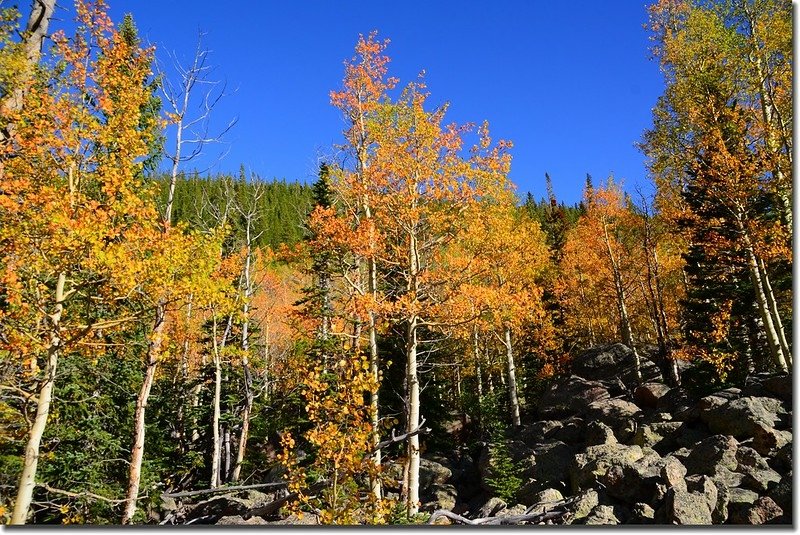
[626, 452]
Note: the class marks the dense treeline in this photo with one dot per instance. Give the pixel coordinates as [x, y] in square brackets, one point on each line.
[170, 332]
[282, 206]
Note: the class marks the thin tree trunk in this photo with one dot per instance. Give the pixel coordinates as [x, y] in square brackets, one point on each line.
[513, 398]
[412, 379]
[773, 307]
[763, 307]
[137, 452]
[27, 481]
[215, 443]
[226, 465]
[624, 319]
[478, 370]
[413, 450]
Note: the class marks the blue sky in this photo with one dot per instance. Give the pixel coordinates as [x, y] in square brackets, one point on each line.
[570, 83]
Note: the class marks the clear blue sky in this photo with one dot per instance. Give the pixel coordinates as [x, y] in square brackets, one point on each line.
[570, 83]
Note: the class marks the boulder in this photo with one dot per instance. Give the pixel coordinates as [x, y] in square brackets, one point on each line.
[615, 362]
[767, 439]
[673, 473]
[779, 386]
[544, 500]
[781, 459]
[747, 457]
[582, 506]
[715, 451]
[598, 433]
[687, 508]
[642, 513]
[432, 472]
[760, 512]
[492, 506]
[588, 467]
[738, 496]
[714, 495]
[239, 521]
[618, 414]
[306, 519]
[538, 431]
[647, 395]
[742, 417]
[220, 506]
[439, 496]
[726, 477]
[675, 401]
[659, 435]
[570, 397]
[549, 464]
[601, 515]
[760, 480]
[782, 495]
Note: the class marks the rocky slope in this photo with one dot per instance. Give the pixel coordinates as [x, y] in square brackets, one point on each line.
[606, 449]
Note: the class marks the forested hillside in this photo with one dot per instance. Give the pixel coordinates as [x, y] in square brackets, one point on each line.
[407, 335]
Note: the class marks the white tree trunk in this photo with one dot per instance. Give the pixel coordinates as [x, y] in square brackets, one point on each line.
[513, 397]
[215, 443]
[413, 419]
[412, 380]
[27, 480]
[770, 331]
[137, 451]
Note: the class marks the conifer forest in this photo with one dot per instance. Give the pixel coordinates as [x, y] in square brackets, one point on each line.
[409, 338]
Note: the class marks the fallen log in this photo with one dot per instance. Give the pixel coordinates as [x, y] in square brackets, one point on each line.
[221, 490]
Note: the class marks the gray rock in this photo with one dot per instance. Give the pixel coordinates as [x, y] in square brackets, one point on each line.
[741, 417]
[308, 519]
[219, 506]
[782, 495]
[675, 401]
[538, 431]
[582, 506]
[760, 480]
[687, 509]
[726, 477]
[571, 397]
[588, 467]
[779, 386]
[658, 435]
[742, 496]
[704, 488]
[615, 362]
[239, 521]
[493, 506]
[715, 451]
[549, 464]
[545, 500]
[690, 433]
[767, 440]
[599, 433]
[432, 472]
[642, 513]
[439, 496]
[673, 473]
[747, 457]
[761, 512]
[647, 395]
[618, 414]
[517, 509]
[601, 515]
[781, 459]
